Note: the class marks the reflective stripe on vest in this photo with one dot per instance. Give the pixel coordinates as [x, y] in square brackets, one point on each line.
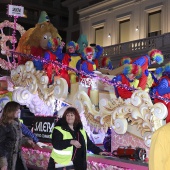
[64, 156]
[21, 121]
[83, 132]
[62, 152]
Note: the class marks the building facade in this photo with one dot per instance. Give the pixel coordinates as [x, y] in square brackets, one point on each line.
[130, 27]
[125, 20]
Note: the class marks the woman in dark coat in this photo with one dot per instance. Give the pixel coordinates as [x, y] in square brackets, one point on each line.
[11, 139]
[70, 122]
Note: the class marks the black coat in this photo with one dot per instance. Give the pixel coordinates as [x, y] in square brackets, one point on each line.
[79, 161]
[10, 146]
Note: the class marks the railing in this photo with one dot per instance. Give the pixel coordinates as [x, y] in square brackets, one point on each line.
[138, 46]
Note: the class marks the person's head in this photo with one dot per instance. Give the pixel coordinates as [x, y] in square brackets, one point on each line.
[10, 112]
[89, 52]
[71, 117]
[131, 76]
[125, 60]
[106, 63]
[72, 47]
[156, 56]
[132, 71]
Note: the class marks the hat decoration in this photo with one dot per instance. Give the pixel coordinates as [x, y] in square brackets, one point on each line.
[73, 44]
[156, 55]
[43, 17]
[106, 62]
[133, 69]
[167, 68]
[88, 50]
[125, 60]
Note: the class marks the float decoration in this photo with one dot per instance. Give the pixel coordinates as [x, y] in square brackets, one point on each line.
[118, 113]
[5, 50]
[110, 113]
[104, 80]
[36, 83]
[34, 40]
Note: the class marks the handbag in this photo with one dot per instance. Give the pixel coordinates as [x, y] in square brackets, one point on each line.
[71, 162]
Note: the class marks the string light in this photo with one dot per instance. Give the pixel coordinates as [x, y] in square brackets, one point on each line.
[92, 76]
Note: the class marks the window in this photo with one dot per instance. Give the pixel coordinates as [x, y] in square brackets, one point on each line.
[99, 36]
[124, 31]
[154, 23]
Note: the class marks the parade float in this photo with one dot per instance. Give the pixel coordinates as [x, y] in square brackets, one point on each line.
[132, 120]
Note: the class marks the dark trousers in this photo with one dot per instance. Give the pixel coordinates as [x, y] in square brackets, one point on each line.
[19, 164]
[51, 166]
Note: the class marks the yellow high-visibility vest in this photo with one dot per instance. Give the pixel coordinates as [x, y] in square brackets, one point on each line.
[64, 156]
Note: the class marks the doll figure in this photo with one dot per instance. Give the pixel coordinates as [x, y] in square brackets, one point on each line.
[98, 50]
[106, 63]
[88, 66]
[130, 73]
[50, 56]
[155, 56]
[72, 59]
[156, 75]
[163, 89]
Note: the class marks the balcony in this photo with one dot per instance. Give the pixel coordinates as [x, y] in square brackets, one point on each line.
[139, 47]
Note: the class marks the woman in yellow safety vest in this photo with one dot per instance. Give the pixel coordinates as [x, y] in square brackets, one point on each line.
[70, 143]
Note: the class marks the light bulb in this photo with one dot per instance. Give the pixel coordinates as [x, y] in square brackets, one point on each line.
[137, 28]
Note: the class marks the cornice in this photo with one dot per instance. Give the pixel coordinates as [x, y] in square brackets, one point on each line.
[107, 5]
[154, 8]
[106, 9]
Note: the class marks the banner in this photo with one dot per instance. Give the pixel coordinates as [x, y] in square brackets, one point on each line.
[43, 127]
[14, 10]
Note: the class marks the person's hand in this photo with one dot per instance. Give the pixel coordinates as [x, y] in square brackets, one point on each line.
[31, 143]
[41, 145]
[62, 44]
[105, 153]
[119, 82]
[4, 168]
[75, 143]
